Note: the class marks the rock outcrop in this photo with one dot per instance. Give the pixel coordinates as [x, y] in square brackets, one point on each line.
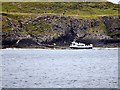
[62, 30]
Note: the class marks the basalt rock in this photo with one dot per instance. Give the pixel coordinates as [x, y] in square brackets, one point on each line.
[65, 29]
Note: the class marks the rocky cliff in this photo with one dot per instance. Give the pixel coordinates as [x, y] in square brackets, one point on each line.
[62, 30]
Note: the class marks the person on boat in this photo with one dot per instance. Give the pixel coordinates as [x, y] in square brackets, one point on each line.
[78, 13]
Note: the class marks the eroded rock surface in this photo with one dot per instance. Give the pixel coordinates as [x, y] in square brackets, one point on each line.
[62, 30]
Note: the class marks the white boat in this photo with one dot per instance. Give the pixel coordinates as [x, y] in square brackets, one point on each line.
[76, 45]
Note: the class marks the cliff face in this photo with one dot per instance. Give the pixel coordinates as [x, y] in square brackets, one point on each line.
[62, 30]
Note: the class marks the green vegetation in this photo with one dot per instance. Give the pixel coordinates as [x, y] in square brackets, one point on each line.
[37, 29]
[70, 8]
[98, 30]
[111, 34]
[17, 16]
[6, 25]
[30, 29]
[23, 10]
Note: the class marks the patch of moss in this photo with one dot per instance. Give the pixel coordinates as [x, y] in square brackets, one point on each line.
[37, 29]
[98, 29]
[6, 25]
[103, 28]
[111, 34]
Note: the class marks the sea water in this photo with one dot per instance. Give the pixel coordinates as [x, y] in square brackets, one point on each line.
[67, 68]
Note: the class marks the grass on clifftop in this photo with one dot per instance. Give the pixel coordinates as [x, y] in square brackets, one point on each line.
[22, 10]
[70, 8]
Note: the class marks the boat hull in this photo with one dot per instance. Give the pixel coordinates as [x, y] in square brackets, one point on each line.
[81, 47]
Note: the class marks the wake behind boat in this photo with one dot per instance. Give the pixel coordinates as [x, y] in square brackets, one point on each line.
[76, 45]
